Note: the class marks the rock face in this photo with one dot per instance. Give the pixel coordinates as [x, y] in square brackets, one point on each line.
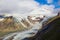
[8, 21]
[8, 25]
[49, 32]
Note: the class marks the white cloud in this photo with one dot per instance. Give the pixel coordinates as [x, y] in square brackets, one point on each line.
[21, 6]
[24, 7]
[57, 10]
[49, 1]
[47, 10]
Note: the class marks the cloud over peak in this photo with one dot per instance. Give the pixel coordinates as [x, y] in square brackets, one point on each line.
[24, 7]
[21, 6]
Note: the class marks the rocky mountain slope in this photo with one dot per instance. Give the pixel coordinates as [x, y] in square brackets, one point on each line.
[9, 24]
[50, 31]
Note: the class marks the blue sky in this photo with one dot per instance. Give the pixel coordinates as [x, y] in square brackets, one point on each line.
[56, 3]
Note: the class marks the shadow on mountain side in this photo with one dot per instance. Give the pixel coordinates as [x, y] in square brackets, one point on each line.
[48, 32]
